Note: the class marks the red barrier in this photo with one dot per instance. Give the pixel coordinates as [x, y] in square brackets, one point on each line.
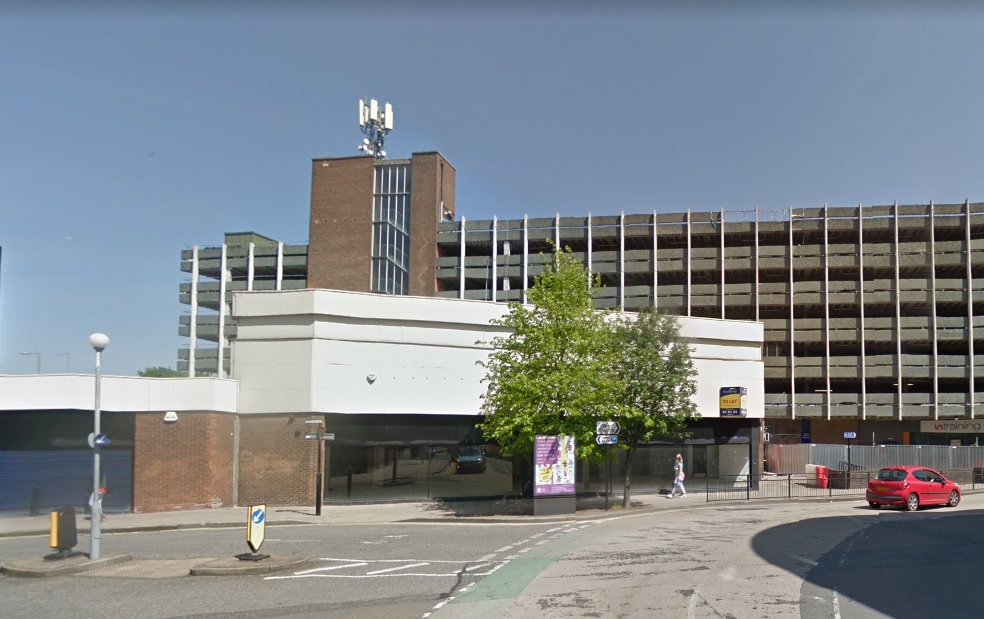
[823, 476]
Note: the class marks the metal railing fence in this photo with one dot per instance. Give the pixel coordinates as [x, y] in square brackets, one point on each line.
[792, 459]
[802, 486]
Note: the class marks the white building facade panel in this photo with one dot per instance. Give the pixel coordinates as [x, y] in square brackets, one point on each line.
[373, 354]
[119, 393]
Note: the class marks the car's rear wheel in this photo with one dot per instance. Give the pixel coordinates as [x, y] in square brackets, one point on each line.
[912, 503]
[954, 498]
[874, 505]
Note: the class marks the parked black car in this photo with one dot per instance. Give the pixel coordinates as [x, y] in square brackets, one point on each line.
[470, 460]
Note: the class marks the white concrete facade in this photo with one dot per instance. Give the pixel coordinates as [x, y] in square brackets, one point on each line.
[119, 393]
[324, 351]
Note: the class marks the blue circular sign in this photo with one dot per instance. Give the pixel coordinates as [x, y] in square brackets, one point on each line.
[258, 515]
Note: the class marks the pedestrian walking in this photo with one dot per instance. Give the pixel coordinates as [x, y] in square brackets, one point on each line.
[678, 477]
[96, 498]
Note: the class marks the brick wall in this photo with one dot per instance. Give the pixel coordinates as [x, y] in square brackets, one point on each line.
[277, 465]
[433, 181]
[340, 233]
[182, 465]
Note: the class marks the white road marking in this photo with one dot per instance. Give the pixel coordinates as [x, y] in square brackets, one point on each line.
[328, 569]
[394, 569]
[395, 536]
[837, 606]
[805, 560]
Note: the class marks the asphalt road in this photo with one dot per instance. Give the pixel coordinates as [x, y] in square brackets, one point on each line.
[392, 570]
[804, 559]
[811, 559]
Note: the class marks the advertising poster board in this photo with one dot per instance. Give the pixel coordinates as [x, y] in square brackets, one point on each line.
[554, 466]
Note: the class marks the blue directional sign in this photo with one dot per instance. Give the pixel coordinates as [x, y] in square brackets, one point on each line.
[256, 527]
[100, 440]
[850, 435]
[606, 439]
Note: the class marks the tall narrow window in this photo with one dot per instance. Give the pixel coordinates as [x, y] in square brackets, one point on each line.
[390, 228]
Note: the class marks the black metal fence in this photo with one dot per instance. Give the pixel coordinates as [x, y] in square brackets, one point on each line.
[801, 486]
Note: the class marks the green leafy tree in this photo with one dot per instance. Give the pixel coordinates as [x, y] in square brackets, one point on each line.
[552, 373]
[658, 380]
[159, 371]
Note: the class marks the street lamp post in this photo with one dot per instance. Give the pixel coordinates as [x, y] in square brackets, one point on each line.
[38, 358]
[99, 342]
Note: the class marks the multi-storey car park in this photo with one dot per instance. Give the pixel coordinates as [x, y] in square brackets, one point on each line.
[873, 315]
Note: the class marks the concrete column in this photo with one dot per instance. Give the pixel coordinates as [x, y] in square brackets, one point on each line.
[280, 265]
[970, 309]
[898, 313]
[193, 326]
[864, 382]
[461, 259]
[495, 258]
[590, 250]
[250, 266]
[526, 255]
[223, 266]
[826, 308]
[932, 289]
[756, 263]
[688, 262]
[655, 261]
[721, 227]
[792, 324]
[621, 260]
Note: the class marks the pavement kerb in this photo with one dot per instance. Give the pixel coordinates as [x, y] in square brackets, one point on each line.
[40, 567]
[232, 566]
[651, 503]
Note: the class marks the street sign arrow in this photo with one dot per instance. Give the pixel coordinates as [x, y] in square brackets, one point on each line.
[607, 439]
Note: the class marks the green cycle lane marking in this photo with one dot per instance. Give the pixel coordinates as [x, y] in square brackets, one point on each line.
[507, 582]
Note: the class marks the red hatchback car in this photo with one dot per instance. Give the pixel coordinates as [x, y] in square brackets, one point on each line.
[910, 487]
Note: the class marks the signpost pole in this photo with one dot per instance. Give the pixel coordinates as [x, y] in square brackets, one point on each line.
[611, 486]
[318, 490]
[608, 477]
[849, 464]
[849, 436]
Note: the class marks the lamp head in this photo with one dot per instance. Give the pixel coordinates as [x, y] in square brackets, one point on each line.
[99, 341]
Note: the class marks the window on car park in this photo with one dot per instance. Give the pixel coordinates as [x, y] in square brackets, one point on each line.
[920, 475]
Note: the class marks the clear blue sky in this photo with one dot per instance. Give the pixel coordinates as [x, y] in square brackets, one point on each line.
[128, 135]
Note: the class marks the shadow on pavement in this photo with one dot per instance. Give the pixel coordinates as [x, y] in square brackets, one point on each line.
[904, 565]
[517, 506]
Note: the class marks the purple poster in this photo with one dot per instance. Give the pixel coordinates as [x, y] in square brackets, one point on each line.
[554, 465]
